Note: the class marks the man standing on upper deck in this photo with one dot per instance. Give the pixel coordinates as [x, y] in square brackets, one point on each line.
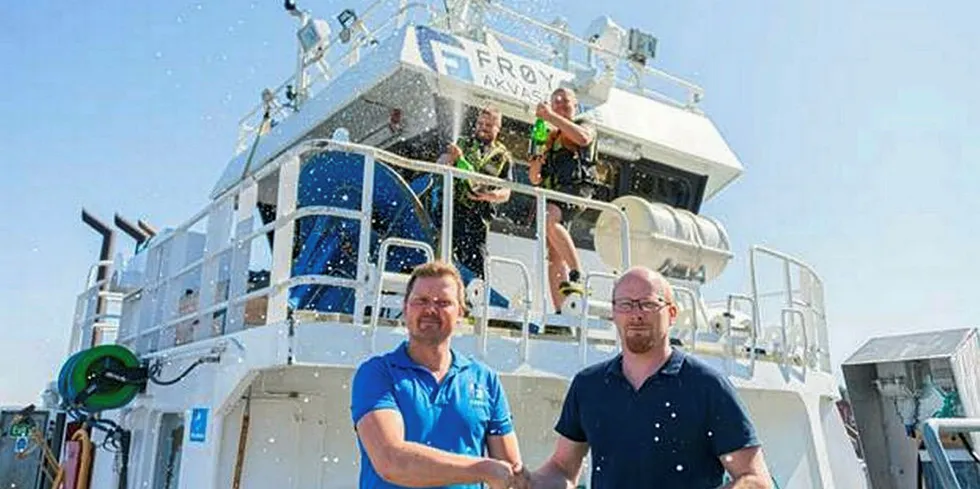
[565, 164]
[653, 415]
[474, 205]
[424, 414]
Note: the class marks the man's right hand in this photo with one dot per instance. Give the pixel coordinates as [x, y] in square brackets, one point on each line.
[499, 474]
[522, 478]
[454, 153]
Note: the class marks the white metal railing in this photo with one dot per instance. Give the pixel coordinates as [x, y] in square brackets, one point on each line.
[805, 302]
[288, 168]
[87, 321]
[463, 17]
[525, 310]
[560, 55]
[382, 269]
[242, 232]
[729, 309]
[587, 304]
[332, 63]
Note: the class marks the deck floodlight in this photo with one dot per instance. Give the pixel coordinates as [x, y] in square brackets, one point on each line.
[642, 46]
[314, 36]
[608, 40]
[347, 20]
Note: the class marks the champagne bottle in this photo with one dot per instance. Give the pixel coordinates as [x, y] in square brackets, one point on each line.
[463, 164]
[539, 137]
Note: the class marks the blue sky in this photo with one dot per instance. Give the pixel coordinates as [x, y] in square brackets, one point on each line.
[856, 122]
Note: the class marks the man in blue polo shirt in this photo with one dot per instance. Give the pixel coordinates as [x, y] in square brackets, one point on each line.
[653, 416]
[425, 415]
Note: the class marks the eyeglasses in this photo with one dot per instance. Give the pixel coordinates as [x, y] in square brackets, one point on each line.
[423, 302]
[645, 305]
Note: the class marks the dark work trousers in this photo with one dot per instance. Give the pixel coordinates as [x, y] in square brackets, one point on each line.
[469, 239]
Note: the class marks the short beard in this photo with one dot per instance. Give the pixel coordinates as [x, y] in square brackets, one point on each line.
[431, 336]
[640, 344]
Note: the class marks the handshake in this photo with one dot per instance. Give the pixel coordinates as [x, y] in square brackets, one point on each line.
[500, 474]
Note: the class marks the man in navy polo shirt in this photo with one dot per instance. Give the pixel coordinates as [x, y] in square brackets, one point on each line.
[425, 415]
[653, 416]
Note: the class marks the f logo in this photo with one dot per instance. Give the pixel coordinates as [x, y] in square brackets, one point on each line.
[457, 66]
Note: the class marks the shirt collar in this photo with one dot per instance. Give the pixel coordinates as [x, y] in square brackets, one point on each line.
[672, 367]
[399, 357]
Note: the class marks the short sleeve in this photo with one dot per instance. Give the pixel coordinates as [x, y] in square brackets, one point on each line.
[570, 421]
[501, 421]
[372, 389]
[729, 426]
[586, 122]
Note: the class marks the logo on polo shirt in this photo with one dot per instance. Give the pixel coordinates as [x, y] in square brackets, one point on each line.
[478, 394]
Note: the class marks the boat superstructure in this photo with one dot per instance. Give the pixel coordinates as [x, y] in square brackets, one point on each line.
[250, 318]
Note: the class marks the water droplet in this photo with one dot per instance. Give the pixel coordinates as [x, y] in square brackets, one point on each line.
[673, 415]
[710, 434]
[272, 440]
[656, 425]
[656, 439]
[306, 400]
[158, 55]
[680, 467]
[667, 404]
[325, 459]
[316, 374]
[180, 19]
[336, 459]
[728, 458]
[199, 6]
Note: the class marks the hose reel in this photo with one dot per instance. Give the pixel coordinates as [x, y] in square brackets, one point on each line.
[101, 378]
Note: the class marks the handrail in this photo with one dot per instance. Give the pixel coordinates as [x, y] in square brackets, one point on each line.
[315, 145]
[346, 59]
[286, 284]
[753, 331]
[583, 351]
[695, 92]
[382, 264]
[791, 302]
[245, 129]
[931, 429]
[789, 311]
[485, 319]
[696, 306]
[789, 258]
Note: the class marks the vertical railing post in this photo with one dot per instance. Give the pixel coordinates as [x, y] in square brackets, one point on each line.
[282, 239]
[541, 212]
[364, 239]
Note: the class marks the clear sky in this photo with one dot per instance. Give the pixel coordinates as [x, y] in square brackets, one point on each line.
[856, 122]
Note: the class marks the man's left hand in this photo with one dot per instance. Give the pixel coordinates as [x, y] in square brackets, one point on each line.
[480, 196]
